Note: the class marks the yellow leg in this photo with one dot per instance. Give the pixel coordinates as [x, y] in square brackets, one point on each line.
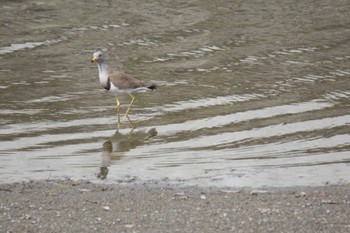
[127, 111]
[118, 111]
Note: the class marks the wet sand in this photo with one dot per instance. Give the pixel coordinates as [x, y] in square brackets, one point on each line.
[80, 206]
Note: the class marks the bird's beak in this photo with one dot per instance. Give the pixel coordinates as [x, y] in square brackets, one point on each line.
[94, 59]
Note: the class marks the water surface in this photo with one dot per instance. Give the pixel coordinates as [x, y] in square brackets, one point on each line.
[249, 93]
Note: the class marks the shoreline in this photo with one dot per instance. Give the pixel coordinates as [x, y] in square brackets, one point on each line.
[81, 206]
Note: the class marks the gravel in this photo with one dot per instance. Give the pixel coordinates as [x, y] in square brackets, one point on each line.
[81, 206]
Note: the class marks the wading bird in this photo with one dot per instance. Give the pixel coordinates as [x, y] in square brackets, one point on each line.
[118, 82]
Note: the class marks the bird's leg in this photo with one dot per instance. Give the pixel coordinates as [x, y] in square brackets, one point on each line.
[118, 111]
[132, 101]
[127, 111]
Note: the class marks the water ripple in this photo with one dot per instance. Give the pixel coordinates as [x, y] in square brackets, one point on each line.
[256, 133]
[27, 45]
[196, 53]
[221, 121]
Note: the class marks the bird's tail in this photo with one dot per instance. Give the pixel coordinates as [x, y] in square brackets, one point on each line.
[152, 87]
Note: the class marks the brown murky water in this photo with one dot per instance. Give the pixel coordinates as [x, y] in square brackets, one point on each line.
[250, 93]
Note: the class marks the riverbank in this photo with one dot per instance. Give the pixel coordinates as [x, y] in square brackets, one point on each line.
[80, 206]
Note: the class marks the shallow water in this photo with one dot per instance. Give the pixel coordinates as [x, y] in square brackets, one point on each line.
[249, 93]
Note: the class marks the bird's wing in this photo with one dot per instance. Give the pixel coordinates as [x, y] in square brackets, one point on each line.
[123, 81]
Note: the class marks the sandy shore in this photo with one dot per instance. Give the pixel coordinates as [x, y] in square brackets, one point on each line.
[69, 206]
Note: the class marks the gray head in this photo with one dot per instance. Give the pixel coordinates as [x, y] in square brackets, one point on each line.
[97, 57]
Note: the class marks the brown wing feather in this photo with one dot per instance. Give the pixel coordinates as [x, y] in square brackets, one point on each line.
[123, 81]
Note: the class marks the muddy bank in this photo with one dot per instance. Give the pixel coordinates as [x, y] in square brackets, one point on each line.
[69, 206]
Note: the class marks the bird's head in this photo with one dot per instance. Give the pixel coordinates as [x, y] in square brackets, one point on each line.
[97, 57]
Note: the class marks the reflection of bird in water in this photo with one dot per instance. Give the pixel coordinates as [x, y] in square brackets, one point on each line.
[106, 151]
[134, 139]
[117, 82]
[122, 143]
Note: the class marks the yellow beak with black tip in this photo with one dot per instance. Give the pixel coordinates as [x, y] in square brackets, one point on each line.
[94, 59]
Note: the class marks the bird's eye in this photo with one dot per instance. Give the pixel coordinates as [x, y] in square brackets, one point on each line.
[100, 55]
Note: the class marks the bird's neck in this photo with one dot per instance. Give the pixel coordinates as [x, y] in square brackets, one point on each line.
[102, 72]
[102, 67]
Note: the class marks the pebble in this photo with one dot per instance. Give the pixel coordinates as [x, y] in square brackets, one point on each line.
[107, 208]
[84, 190]
[182, 193]
[230, 191]
[301, 194]
[328, 202]
[129, 225]
[256, 192]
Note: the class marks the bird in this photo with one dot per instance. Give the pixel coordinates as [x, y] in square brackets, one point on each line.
[118, 82]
